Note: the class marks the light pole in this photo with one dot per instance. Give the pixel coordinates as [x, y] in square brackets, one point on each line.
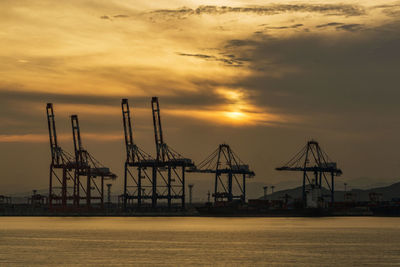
[265, 192]
[109, 193]
[190, 193]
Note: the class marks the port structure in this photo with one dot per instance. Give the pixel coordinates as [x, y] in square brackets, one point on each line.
[87, 167]
[170, 166]
[138, 180]
[316, 167]
[62, 184]
[230, 174]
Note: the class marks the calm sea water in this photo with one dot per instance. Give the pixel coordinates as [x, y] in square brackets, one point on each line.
[362, 241]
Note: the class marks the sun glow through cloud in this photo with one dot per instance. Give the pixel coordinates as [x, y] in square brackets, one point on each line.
[240, 111]
[236, 115]
[237, 110]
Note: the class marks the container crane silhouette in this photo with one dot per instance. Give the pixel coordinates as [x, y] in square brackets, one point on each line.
[88, 167]
[62, 177]
[136, 176]
[315, 165]
[171, 185]
[224, 162]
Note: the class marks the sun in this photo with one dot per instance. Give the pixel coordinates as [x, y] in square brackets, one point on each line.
[235, 115]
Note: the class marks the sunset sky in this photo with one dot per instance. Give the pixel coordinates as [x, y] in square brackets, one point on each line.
[262, 76]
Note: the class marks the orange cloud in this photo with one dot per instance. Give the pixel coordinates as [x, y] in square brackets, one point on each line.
[43, 138]
[23, 138]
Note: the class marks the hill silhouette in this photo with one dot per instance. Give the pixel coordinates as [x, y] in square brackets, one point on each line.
[388, 193]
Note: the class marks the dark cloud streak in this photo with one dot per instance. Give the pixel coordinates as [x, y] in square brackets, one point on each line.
[353, 27]
[121, 16]
[327, 9]
[330, 24]
[350, 27]
[285, 27]
[229, 61]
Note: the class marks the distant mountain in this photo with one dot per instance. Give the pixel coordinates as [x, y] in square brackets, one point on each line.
[388, 193]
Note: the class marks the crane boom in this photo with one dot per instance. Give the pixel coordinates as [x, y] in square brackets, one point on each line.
[158, 129]
[127, 130]
[54, 148]
[76, 134]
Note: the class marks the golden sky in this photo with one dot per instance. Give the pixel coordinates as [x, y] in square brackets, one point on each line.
[136, 48]
[244, 65]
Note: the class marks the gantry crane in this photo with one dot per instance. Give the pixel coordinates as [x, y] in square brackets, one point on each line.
[224, 162]
[88, 167]
[311, 160]
[138, 183]
[61, 167]
[172, 185]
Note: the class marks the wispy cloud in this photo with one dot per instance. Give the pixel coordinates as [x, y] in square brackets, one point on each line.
[328, 9]
[121, 16]
[351, 27]
[111, 17]
[392, 9]
[330, 24]
[240, 42]
[229, 60]
[294, 26]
